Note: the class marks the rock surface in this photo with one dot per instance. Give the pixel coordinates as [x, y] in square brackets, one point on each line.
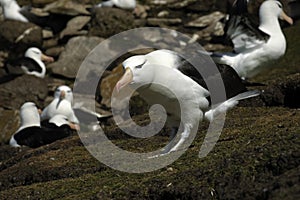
[110, 21]
[66, 7]
[22, 89]
[71, 58]
[17, 37]
[9, 124]
[75, 25]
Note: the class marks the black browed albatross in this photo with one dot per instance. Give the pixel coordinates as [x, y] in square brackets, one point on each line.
[61, 105]
[12, 11]
[32, 63]
[254, 46]
[32, 134]
[162, 67]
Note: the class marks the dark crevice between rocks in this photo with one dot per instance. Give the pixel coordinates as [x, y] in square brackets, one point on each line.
[283, 92]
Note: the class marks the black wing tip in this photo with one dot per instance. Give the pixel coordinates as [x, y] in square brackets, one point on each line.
[239, 7]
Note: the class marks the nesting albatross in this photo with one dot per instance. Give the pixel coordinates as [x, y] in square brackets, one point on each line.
[254, 46]
[32, 63]
[61, 105]
[171, 85]
[12, 11]
[32, 134]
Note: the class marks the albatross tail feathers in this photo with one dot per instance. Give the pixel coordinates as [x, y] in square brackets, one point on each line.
[228, 104]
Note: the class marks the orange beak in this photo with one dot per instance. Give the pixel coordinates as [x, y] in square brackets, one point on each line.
[125, 80]
[46, 58]
[62, 95]
[287, 18]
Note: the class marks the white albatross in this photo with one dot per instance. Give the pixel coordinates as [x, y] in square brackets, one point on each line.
[32, 63]
[171, 86]
[124, 4]
[32, 134]
[12, 11]
[61, 105]
[254, 47]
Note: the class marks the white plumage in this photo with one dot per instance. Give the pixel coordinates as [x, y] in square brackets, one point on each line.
[125, 4]
[254, 47]
[29, 118]
[61, 105]
[32, 134]
[159, 82]
[11, 10]
[32, 63]
[36, 55]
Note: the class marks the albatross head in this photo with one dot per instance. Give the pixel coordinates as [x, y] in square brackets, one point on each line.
[132, 66]
[64, 92]
[274, 7]
[283, 15]
[37, 55]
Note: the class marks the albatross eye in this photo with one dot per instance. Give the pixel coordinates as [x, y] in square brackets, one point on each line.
[139, 66]
[36, 52]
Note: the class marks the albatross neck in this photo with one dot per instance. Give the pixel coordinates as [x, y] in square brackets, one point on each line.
[269, 23]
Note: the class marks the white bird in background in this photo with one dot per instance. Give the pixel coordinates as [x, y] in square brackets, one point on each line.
[30, 118]
[124, 4]
[32, 63]
[254, 46]
[61, 105]
[194, 98]
[32, 134]
[12, 11]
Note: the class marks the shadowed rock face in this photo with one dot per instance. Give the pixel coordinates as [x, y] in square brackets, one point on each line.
[283, 92]
[17, 37]
[110, 21]
[22, 89]
[74, 54]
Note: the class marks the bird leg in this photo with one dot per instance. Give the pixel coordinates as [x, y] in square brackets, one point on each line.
[184, 135]
[171, 140]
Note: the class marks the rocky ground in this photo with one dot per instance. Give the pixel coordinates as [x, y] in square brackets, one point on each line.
[256, 157]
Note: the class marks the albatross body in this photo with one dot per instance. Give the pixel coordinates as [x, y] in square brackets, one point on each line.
[32, 134]
[160, 82]
[32, 63]
[254, 47]
[61, 105]
[12, 11]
